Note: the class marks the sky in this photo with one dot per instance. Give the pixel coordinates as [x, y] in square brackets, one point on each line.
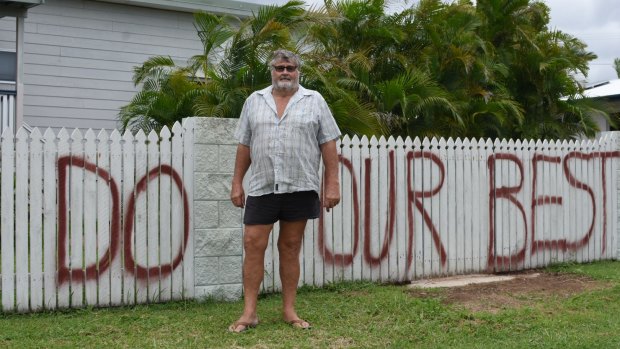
[595, 22]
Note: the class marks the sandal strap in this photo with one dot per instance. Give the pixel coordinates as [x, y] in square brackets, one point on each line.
[298, 321]
[242, 323]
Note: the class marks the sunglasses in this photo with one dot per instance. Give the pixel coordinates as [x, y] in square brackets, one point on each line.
[289, 68]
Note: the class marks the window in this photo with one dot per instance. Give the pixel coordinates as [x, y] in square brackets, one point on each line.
[8, 62]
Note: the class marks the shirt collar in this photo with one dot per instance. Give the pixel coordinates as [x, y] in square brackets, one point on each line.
[300, 91]
[299, 94]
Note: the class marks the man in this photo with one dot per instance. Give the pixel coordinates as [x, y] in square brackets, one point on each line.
[283, 130]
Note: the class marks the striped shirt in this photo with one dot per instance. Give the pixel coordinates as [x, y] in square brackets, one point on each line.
[285, 151]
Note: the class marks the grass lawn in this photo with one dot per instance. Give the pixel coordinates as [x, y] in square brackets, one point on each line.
[347, 315]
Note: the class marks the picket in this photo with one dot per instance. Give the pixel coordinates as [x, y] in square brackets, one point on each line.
[50, 239]
[152, 188]
[423, 196]
[501, 205]
[348, 218]
[416, 185]
[327, 269]
[514, 243]
[112, 189]
[557, 219]
[91, 207]
[357, 189]
[337, 229]
[21, 220]
[480, 206]
[467, 213]
[391, 270]
[165, 232]
[177, 224]
[187, 181]
[373, 234]
[441, 217]
[129, 218]
[613, 169]
[75, 235]
[602, 188]
[400, 240]
[525, 156]
[35, 220]
[562, 189]
[140, 230]
[308, 254]
[363, 269]
[459, 193]
[571, 195]
[63, 288]
[102, 218]
[543, 212]
[452, 228]
[7, 219]
[612, 210]
[440, 206]
[594, 166]
[583, 215]
[379, 206]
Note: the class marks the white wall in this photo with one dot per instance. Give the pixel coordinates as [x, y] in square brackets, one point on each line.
[79, 56]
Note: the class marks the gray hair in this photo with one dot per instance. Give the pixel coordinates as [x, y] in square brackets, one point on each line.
[285, 55]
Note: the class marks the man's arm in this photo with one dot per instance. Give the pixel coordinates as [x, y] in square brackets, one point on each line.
[242, 163]
[331, 179]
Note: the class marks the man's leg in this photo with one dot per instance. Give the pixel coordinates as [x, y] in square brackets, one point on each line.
[289, 246]
[255, 241]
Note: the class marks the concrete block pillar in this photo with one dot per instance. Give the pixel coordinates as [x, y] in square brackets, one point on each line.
[218, 230]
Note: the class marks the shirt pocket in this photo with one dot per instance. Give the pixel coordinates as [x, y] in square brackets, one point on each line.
[303, 127]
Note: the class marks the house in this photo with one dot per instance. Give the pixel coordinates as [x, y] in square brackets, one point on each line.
[77, 56]
[608, 93]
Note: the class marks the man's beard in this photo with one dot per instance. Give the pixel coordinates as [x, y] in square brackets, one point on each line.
[286, 85]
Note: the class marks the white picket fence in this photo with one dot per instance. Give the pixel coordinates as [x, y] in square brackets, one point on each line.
[106, 219]
[417, 209]
[95, 220]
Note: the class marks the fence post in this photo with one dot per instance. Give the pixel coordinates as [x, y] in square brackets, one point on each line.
[613, 137]
[218, 246]
[615, 140]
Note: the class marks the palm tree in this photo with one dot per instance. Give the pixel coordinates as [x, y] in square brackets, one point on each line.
[492, 69]
[169, 92]
[166, 96]
[357, 52]
[233, 65]
[216, 82]
[443, 41]
[541, 65]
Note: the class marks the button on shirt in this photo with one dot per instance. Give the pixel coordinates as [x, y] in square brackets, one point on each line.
[285, 152]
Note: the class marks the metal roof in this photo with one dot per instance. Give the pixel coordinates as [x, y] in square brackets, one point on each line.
[17, 8]
[606, 89]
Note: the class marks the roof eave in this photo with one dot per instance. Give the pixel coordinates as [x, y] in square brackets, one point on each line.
[236, 8]
[17, 8]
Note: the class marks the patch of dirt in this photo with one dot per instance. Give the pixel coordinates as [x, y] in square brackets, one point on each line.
[524, 290]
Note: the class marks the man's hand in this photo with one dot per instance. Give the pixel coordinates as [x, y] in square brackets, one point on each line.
[242, 163]
[237, 196]
[331, 191]
[331, 196]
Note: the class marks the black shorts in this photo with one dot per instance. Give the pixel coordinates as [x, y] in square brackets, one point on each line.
[269, 208]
